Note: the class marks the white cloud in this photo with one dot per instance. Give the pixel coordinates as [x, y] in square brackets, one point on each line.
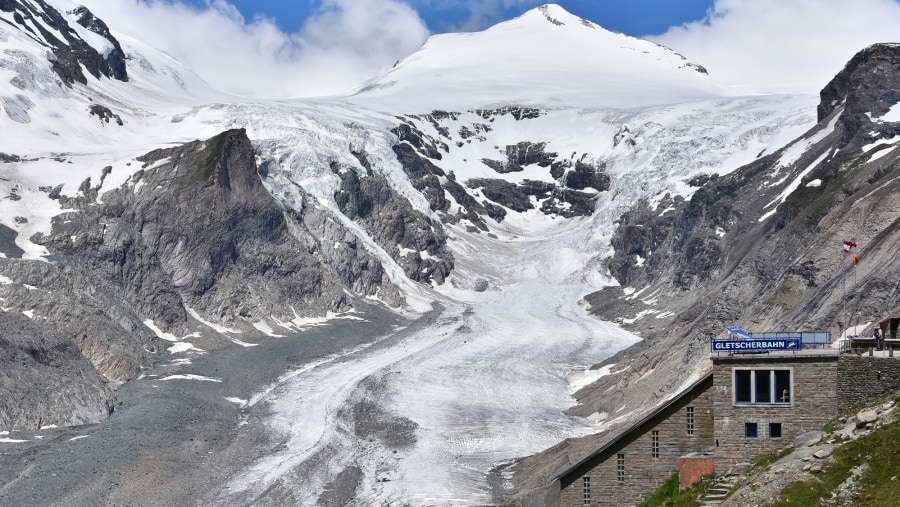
[794, 46]
[343, 44]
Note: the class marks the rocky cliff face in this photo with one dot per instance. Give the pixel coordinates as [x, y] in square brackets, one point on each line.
[196, 231]
[759, 248]
[72, 53]
[191, 238]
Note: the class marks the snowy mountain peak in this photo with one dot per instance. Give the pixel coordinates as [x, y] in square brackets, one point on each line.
[545, 58]
[556, 15]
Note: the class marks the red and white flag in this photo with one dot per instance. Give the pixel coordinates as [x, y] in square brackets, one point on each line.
[848, 245]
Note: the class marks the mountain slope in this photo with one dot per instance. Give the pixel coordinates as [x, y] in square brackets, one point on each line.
[546, 50]
[760, 248]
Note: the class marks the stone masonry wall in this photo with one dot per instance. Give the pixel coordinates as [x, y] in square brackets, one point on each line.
[814, 402]
[862, 379]
[644, 473]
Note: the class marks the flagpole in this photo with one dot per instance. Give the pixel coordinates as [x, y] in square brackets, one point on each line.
[856, 291]
[843, 300]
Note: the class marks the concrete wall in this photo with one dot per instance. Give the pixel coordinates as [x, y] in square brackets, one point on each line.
[644, 473]
[862, 378]
[814, 402]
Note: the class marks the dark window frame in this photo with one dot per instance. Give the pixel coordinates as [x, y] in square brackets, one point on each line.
[776, 430]
[690, 420]
[773, 386]
[751, 430]
[620, 468]
[654, 444]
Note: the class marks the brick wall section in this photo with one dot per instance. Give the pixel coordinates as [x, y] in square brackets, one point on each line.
[692, 468]
[815, 381]
[861, 379]
[644, 473]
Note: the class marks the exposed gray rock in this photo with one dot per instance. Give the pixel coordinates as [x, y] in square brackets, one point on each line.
[822, 453]
[45, 380]
[105, 114]
[72, 53]
[809, 439]
[427, 179]
[198, 231]
[866, 417]
[8, 246]
[520, 155]
[390, 219]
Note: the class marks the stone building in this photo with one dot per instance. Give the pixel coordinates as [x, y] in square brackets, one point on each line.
[640, 459]
[750, 404]
[763, 401]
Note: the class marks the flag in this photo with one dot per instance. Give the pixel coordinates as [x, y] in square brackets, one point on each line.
[855, 258]
[848, 245]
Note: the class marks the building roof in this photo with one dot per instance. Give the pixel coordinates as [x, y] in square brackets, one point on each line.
[634, 427]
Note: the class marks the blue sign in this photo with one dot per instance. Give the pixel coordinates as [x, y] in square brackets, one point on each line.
[756, 345]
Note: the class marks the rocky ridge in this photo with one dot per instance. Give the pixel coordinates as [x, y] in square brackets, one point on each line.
[72, 53]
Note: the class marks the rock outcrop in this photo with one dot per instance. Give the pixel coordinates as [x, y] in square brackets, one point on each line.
[195, 230]
[193, 235]
[71, 54]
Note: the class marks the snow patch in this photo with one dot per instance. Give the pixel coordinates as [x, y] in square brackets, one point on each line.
[893, 114]
[267, 330]
[183, 347]
[159, 332]
[793, 152]
[191, 377]
[881, 153]
[581, 378]
[237, 401]
[215, 327]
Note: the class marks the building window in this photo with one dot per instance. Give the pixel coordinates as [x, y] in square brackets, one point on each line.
[742, 386]
[587, 490]
[774, 430]
[782, 386]
[690, 420]
[763, 387]
[654, 444]
[620, 467]
[751, 430]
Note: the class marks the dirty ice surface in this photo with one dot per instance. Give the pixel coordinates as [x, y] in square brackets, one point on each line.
[484, 384]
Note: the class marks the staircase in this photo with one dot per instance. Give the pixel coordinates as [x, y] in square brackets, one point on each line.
[717, 491]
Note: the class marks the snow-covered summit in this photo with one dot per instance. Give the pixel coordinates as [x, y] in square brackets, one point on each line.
[546, 57]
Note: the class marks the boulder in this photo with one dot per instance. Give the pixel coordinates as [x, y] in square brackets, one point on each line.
[822, 453]
[866, 417]
[808, 439]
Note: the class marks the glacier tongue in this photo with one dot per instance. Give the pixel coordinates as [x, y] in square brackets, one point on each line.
[485, 383]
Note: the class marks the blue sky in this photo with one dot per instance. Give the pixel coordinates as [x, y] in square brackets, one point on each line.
[633, 17]
[279, 48]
